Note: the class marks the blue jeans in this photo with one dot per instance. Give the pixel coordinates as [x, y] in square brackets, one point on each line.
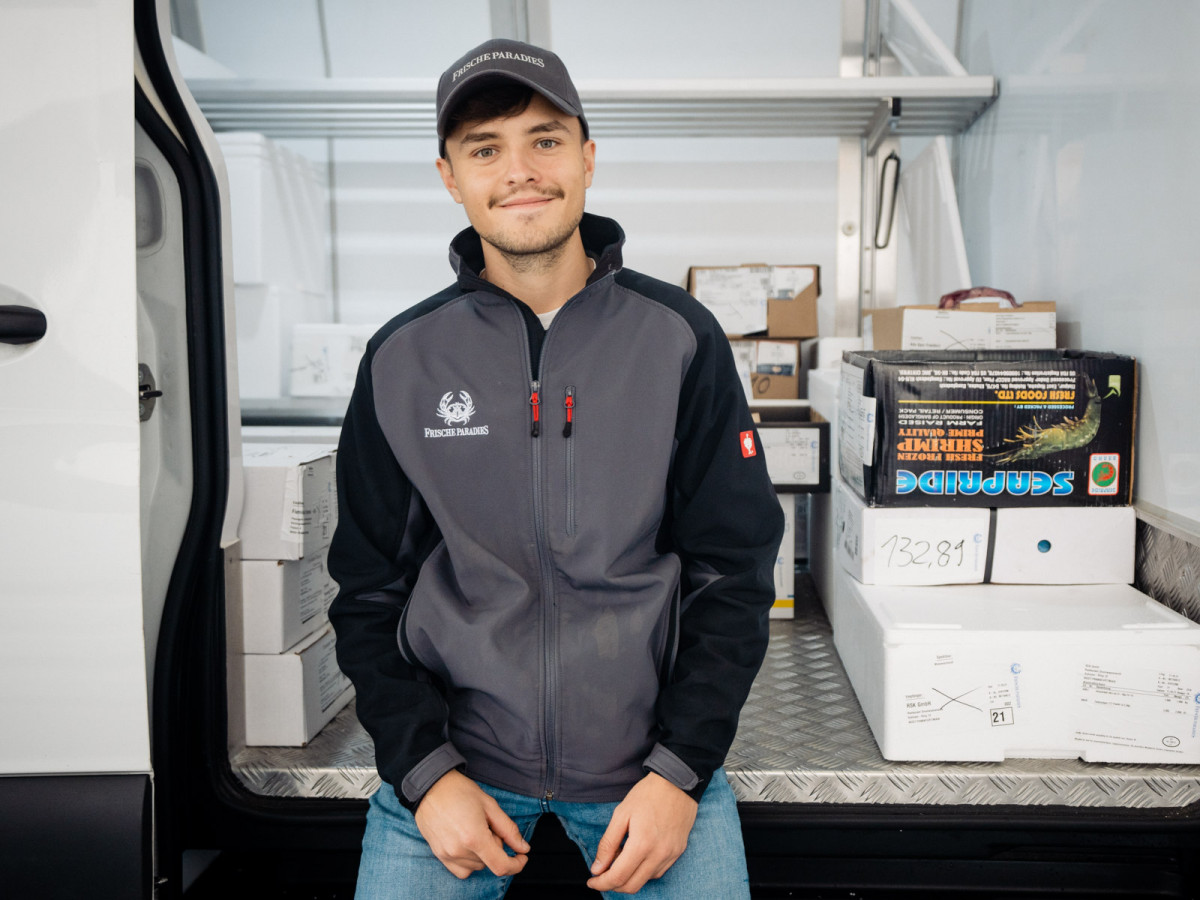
[397, 864]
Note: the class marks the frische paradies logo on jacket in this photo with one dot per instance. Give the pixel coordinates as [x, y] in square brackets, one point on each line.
[457, 415]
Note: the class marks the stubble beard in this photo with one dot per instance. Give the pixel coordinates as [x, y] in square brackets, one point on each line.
[532, 253]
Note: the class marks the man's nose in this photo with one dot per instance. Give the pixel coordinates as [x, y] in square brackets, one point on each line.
[522, 167]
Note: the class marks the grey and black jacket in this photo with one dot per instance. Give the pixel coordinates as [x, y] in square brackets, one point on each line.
[554, 552]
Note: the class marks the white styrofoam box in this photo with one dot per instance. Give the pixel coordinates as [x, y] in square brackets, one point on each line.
[277, 214]
[987, 672]
[284, 600]
[290, 696]
[785, 562]
[908, 546]
[290, 505]
[1033, 545]
[266, 317]
[823, 395]
[325, 358]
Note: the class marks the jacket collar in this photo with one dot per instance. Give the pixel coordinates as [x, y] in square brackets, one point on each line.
[602, 240]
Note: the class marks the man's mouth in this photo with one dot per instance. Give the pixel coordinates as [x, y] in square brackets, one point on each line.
[526, 201]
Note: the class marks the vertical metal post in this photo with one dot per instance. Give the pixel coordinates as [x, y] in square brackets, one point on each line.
[848, 299]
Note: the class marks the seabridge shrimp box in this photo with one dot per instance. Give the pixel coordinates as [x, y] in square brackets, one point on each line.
[990, 428]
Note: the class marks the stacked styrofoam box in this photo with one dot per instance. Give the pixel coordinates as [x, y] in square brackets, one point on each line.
[280, 247]
[1056, 657]
[293, 684]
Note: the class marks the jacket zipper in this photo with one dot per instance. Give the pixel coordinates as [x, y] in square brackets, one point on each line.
[568, 427]
[549, 605]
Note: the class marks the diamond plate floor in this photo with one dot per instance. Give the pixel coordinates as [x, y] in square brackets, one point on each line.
[802, 739]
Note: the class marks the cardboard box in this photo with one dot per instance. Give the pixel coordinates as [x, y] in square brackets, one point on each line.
[988, 428]
[1032, 545]
[290, 696]
[797, 455]
[752, 299]
[972, 326]
[988, 672]
[283, 601]
[290, 505]
[785, 563]
[768, 368]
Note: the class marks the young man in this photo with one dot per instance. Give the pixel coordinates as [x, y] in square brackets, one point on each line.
[556, 533]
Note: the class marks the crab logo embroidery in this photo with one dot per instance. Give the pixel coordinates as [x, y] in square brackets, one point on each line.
[456, 412]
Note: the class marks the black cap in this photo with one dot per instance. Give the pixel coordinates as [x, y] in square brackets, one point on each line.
[502, 60]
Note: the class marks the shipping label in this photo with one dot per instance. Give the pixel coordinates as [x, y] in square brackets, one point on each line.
[1136, 707]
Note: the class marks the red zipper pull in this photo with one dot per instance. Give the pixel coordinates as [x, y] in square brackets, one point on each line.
[534, 402]
[569, 403]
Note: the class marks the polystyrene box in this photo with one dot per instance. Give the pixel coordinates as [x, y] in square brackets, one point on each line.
[267, 315]
[988, 672]
[284, 600]
[290, 696]
[290, 505]
[325, 358]
[1031, 545]
[277, 214]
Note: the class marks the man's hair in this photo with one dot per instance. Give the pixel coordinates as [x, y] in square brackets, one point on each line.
[497, 101]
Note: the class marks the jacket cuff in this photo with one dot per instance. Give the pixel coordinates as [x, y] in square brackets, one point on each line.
[423, 775]
[676, 771]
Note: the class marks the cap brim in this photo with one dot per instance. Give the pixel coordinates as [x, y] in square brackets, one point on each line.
[478, 80]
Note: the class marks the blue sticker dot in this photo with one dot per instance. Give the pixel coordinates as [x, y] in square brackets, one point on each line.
[1043, 546]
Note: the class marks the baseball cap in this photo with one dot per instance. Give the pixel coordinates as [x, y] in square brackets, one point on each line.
[500, 60]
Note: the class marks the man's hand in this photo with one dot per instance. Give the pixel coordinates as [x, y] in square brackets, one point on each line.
[466, 829]
[657, 817]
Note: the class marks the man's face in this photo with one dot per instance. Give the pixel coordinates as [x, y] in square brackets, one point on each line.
[521, 179]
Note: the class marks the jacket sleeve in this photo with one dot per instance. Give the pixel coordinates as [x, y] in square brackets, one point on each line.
[384, 533]
[725, 523]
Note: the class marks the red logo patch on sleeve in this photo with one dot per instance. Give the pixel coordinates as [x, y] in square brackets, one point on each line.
[748, 448]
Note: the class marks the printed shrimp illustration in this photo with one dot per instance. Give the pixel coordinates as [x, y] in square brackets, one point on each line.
[1069, 434]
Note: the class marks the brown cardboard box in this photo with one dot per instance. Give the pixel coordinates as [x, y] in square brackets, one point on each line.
[736, 294]
[925, 327]
[772, 367]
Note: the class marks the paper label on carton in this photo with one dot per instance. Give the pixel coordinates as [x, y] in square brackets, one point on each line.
[736, 296]
[776, 358]
[788, 281]
[942, 329]
[856, 426]
[317, 589]
[744, 353]
[793, 454]
[331, 683]
[1141, 708]
[961, 704]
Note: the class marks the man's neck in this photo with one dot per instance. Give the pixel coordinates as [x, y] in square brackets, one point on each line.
[543, 282]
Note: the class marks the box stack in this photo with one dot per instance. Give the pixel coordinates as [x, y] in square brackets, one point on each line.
[983, 528]
[280, 236]
[766, 311]
[293, 685]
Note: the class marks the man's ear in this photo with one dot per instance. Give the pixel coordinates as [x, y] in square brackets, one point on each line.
[447, 172]
[589, 162]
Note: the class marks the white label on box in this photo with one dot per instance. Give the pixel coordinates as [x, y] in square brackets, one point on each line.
[908, 550]
[785, 563]
[964, 704]
[856, 426]
[777, 358]
[1140, 708]
[943, 329]
[736, 296]
[793, 454]
[317, 590]
[331, 683]
[788, 281]
[743, 361]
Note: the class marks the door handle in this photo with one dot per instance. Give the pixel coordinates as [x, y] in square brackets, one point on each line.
[21, 324]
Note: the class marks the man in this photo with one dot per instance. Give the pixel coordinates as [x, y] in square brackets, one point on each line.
[556, 533]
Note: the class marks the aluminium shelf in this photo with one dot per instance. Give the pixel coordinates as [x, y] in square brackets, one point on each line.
[777, 107]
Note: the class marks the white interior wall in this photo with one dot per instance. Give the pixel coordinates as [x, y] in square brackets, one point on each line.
[682, 202]
[1080, 186]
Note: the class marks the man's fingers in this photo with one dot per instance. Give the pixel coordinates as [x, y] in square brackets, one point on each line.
[499, 862]
[610, 843]
[628, 861]
[505, 828]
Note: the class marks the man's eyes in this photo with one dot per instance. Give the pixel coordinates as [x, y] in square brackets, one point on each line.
[485, 152]
[542, 144]
[547, 144]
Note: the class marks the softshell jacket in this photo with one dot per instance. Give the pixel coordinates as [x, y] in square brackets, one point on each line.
[554, 548]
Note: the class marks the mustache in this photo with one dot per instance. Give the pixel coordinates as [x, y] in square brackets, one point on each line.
[549, 193]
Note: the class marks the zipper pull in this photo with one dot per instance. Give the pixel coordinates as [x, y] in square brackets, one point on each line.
[569, 403]
[534, 402]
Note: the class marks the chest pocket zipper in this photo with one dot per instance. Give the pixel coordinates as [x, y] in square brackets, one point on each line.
[569, 405]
